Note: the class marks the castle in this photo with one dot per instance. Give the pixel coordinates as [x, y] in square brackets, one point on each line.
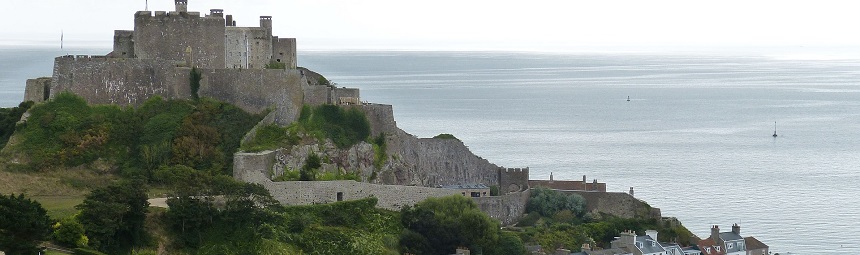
[246, 66]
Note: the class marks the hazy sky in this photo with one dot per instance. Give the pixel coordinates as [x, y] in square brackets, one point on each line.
[540, 25]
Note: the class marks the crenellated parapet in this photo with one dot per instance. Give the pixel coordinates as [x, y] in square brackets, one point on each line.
[513, 179]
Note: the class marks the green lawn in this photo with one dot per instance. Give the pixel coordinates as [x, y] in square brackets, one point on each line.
[59, 207]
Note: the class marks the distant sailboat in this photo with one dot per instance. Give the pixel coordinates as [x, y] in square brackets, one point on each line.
[61, 39]
[628, 98]
[774, 129]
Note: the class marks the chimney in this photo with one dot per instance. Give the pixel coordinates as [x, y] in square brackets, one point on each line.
[736, 229]
[631, 191]
[586, 247]
[550, 176]
[583, 180]
[229, 21]
[628, 238]
[652, 234]
[715, 234]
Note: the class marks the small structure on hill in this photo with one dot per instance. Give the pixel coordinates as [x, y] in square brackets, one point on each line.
[470, 190]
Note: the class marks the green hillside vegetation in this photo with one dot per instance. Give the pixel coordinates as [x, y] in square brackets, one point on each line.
[345, 127]
[8, 119]
[66, 132]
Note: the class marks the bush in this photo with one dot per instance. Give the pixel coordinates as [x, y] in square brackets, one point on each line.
[70, 233]
[549, 202]
[446, 136]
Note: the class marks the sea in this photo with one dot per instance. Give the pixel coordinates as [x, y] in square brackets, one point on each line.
[695, 138]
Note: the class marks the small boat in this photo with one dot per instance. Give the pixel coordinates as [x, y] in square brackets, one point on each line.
[774, 129]
[628, 98]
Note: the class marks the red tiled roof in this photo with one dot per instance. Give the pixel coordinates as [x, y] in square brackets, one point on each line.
[709, 245]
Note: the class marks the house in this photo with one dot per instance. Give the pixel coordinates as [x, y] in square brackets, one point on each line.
[639, 245]
[755, 247]
[732, 242]
[709, 247]
[471, 190]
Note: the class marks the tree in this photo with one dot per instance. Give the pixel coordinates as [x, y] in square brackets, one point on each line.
[23, 225]
[114, 216]
[549, 202]
[440, 225]
[308, 171]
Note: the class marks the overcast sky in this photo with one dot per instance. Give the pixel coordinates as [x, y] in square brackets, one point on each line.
[535, 25]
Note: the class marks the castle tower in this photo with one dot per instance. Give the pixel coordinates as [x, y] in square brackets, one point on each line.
[266, 22]
[216, 12]
[181, 5]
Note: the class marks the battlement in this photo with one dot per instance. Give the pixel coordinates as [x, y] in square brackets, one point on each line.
[513, 179]
[514, 170]
[83, 57]
[163, 14]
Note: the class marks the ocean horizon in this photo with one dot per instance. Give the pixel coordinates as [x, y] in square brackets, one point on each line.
[693, 140]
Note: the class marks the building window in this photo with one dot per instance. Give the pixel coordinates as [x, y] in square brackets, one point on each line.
[741, 245]
[340, 196]
[476, 194]
[730, 246]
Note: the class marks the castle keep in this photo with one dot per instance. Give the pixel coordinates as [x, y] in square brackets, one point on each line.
[245, 66]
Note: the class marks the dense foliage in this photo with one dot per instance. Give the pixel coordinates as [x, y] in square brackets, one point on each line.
[549, 203]
[343, 126]
[8, 119]
[200, 134]
[113, 217]
[23, 225]
[440, 225]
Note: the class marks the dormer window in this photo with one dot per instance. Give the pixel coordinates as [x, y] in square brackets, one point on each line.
[730, 246]
[741, 245]
[708, 250]
[638, 244]
[717, 247]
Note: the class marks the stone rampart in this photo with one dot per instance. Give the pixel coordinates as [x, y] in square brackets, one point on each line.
[256, 90]
[617, 203]
[381, 118]
[508, 208]
[569, 185]
[122, 81]
[37, 90]
[316, 94]
[254, 168]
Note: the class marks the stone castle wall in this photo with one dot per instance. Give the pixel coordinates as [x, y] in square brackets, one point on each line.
[37, 90]
[166, 36]
[569, 185]
[255, 168]
[122, 81]
[255, 90]
[508, 208]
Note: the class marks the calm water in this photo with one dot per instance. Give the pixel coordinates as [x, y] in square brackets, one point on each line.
[695, 139]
